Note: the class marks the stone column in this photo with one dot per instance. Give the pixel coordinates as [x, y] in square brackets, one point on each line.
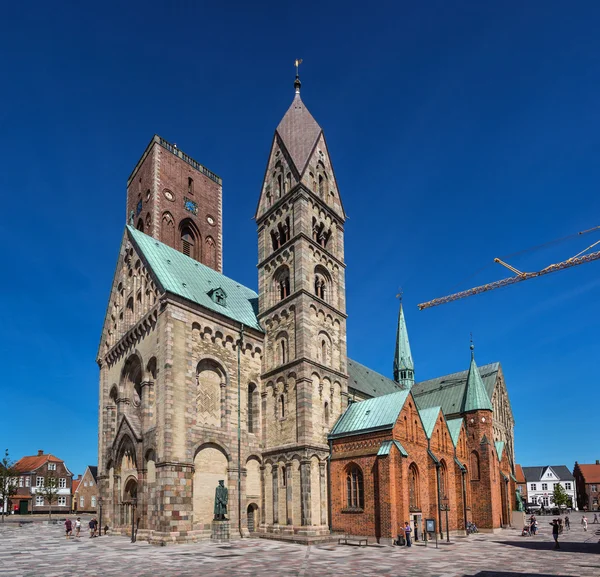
[275, 495]
[147, 402]
[289, 497]
[223, 390]
[263, 501]
[305, 492]
[323, 490]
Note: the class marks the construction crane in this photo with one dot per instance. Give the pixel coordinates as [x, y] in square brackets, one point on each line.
[579, 258]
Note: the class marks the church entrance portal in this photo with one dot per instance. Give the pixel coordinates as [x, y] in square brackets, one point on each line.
[252, 517]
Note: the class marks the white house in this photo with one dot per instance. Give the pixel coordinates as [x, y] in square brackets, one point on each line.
[542, 480]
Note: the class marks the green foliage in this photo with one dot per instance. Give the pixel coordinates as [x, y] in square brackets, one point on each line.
[49, 491]
[560, 496]
[8, 481]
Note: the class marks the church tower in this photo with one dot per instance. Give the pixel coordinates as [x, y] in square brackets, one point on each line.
[302, 308]
[404, 368]
[176, 200]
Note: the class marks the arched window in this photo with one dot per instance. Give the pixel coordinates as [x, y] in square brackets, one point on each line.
[320, 286]
[320, 234]
[188, 242]
[324, 348]
[288, 182]
[326, 413]
[281, 406]
[190, 185]
[279, 185]
[140, 225]
[474, 462]
[321, 185]
[280, 234]
[282, 282]
[354, 488]
[413, 488]
[252, 416]
[167, 229]
[283, 350]
[443, 479]
[211, 252]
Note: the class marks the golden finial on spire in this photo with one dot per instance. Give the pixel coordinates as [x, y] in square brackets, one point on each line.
[400, 294]
[297, 82]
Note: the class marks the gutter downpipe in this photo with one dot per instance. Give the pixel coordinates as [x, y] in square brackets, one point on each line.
[464, 488]
[239, 430]
[329, 520]
[437, 474]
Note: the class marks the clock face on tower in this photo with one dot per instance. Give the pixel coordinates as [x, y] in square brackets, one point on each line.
[169, 195]
[190, 205]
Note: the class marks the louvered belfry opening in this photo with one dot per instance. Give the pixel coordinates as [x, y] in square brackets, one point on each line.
[187, 242]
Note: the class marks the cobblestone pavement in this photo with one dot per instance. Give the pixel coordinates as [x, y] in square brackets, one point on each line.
[38, 549]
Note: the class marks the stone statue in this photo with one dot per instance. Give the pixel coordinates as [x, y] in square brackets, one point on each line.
[221, 497]
[520, 506]
[131, 218]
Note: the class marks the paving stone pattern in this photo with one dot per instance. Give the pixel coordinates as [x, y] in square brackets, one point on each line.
[41, 549]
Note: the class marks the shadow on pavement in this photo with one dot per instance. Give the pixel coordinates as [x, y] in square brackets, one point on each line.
[565, 546]
[512, 574]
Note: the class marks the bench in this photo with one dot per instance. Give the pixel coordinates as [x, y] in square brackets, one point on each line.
[358, 541]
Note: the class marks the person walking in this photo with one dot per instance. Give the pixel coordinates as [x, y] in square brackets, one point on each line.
[595, 518]
[567, 523]
[584, 522]
[77, 526]
[68, 528]
[407, 531]
[555, 533]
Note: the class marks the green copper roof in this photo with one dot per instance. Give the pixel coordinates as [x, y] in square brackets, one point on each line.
[476, 397]
[183, 276]
[454, 426]
[370, 415]
[428, 418]
[386, 447]
[403, 357]
[368, 382]
[448, 391]
[499, 449]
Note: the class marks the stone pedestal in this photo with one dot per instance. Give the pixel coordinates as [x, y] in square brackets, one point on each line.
[518, 519]
[220, 531]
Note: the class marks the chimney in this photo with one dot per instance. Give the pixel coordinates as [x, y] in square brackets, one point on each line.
[40, 453]
[79, 477]
[597, 462]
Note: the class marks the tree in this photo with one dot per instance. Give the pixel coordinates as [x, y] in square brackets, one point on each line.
[560, 496]
[8, 482]
[49, 492]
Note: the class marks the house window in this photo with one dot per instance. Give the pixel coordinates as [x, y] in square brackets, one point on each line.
[81, 502]
[39, 501]
[62, 483]
[39, 481]
[354, 488]
[93, 501]
[27, 481]
[568, 486]
[51, 466]
[533, 487]
[544, 486]
[62, 501]
[594, 488]
[21, 481]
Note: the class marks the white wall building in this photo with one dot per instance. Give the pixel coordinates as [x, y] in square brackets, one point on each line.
[541, 482]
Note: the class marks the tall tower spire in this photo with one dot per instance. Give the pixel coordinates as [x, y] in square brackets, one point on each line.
[404, 368]
[476, 397]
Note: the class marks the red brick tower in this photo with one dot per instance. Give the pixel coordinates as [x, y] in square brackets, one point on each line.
[486, 505]
[176, 200]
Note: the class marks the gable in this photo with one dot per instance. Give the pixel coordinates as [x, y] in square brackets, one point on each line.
[133, 293]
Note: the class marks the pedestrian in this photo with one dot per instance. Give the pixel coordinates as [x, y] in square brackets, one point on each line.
[584, 522]
[533, 524]
[567, 523]
[407, 531]
[555, 533]
[68, 528]
[77, 526]
[595, 518]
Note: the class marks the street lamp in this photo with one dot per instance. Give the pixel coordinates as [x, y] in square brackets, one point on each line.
[133, 504]
[446, 507]
[100, 503]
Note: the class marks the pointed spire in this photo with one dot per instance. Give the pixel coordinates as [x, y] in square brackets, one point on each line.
[404, 368]
[476, 397]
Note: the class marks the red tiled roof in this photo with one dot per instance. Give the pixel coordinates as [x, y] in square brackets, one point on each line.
[519, 476]
[34, 462]
[591, 473]
[76, 485]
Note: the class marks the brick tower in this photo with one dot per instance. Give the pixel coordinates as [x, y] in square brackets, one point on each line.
[302, 306]
[176, 200]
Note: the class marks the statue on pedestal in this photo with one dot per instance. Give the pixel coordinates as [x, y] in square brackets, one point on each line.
[221, 498]
[520, 506]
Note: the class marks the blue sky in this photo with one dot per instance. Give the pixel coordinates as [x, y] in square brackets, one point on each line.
[459, 131]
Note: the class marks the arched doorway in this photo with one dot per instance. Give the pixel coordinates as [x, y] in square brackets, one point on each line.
[130, 500]
[252, 517]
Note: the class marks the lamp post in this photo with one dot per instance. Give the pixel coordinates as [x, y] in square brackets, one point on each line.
[133, 504]
[100, 503]
[446, 507]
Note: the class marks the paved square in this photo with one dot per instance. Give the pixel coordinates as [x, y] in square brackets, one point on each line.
[40, 549]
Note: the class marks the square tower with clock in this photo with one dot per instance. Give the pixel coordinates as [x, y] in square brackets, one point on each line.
[176, 200]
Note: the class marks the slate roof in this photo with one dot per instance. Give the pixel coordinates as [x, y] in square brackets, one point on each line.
[368, 382]
[299, 132]
[34, 462]
[428, 418]
[534, 474]
[94, 472]
[454, 426]
[183, 276]
[375, 414]
[448, 391]
[591, 473]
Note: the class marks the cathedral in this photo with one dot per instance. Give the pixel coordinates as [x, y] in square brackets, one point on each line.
[204, 380]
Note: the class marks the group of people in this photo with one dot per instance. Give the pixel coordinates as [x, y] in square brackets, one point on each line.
[93, 526]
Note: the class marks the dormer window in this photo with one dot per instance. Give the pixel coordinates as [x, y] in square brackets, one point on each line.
[218, 296]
